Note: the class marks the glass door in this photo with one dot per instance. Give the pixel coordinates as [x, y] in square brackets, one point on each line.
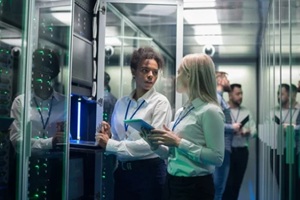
[36, 47]
[120, 37]
[279, 107]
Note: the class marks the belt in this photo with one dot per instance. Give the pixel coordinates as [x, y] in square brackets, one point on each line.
[138, 164]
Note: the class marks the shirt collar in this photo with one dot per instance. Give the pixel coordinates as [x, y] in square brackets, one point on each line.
[145, 97]
[55, 95]
[195, 103]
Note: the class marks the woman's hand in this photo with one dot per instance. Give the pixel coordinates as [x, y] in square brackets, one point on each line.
[104, 127]
[102, 139]
[103, 134]
[164, 137]
[144, 134]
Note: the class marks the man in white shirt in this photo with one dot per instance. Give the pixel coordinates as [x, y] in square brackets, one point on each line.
[239, 146]
[109, 100]
[284, 154]
[47, 107]
[47, 115]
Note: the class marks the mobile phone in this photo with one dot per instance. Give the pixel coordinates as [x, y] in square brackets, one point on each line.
[276, 120]
[244, 121]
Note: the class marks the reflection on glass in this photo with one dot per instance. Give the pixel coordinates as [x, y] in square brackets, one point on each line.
[280, 133]
[125, 40]
[122, 38]
[37, 136]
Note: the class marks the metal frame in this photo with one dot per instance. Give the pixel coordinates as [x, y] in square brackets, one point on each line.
[29, 43]
[25, 150]
[179, 36]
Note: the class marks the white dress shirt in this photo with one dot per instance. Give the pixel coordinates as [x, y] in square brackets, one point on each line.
[202, 144]
[237, 115]
[153, 108]
[285, 116]
[41, 139]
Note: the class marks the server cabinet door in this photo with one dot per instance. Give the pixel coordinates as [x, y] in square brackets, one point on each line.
[39, 45]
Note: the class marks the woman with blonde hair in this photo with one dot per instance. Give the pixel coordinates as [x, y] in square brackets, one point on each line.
[194, 141]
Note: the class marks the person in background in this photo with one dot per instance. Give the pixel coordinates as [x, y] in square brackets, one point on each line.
[294, 102]
[239, 151]
[194, 142]
[140, 174]
[109, 100]
[221, 172]
[47, 107]
[286, 115]
[47, 114]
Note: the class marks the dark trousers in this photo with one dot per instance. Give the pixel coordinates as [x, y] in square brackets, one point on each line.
[189, 188]
[239, 160]
[290, 179]
[220, 176]
[140, 180]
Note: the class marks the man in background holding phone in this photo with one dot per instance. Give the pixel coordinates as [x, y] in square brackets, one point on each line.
[239, 151]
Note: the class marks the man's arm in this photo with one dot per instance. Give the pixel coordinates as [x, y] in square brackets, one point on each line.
[15, 113]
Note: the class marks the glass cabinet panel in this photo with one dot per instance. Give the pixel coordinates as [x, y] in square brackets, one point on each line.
[36, 42]
[279, 110]
[122, 38]
[12, 82]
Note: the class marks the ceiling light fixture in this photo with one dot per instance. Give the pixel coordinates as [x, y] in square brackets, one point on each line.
[211, 39]
[201, 16]
[64, 17]
[199, 3]
[12, 42]
[207, 29]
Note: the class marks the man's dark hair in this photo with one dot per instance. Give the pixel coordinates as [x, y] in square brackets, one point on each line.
[143, 54]
[285, 86]
[288, 87]
[234, 85]
[106, 81]
[106, 78]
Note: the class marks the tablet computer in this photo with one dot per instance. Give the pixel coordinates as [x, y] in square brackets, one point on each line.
[138, 124]
[244, 121]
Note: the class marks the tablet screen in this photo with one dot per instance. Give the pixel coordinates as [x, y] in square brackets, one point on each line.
[138, 124]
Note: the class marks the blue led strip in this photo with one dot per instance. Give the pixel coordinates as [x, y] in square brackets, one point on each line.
[78, 118]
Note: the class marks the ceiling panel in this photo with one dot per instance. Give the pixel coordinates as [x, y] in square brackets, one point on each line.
[233, 26]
